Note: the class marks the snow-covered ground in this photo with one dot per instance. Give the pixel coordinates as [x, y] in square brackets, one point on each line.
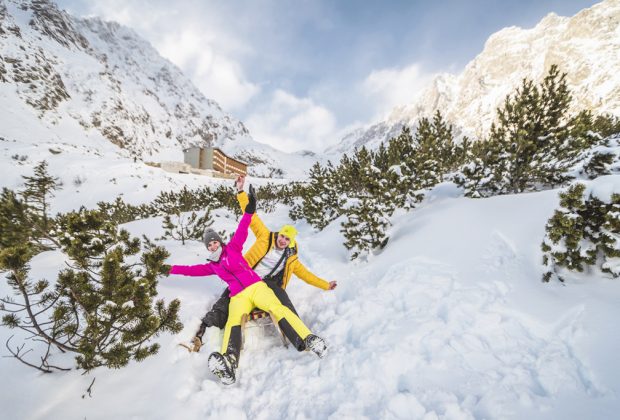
[450, 321]
[94, 172]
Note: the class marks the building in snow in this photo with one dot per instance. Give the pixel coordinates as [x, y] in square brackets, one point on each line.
[213, 159]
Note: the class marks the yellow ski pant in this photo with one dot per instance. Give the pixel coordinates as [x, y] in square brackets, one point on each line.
[259, 295]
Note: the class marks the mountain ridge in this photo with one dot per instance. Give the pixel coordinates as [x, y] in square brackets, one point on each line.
[579, 45]
[115, 86]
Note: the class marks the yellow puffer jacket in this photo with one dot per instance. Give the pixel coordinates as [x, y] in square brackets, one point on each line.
[265, 241]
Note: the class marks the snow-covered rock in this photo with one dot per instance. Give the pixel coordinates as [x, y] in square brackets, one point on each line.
[585, 46]
[107, 83]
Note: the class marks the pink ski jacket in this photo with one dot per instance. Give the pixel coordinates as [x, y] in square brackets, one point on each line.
[232, 267]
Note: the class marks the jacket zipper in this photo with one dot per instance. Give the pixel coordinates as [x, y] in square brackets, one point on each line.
[236, 278]
[232, 274]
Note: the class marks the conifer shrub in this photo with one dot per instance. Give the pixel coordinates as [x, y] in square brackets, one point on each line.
[529, 147]
[38, 190]
[320, 202]
[102, 308]
[367, 221]
[223, 197]
[120, 212]
[602, 158]
[367, 186]
[536, 144]
[16, 222]
[584, 232]
[184, 226]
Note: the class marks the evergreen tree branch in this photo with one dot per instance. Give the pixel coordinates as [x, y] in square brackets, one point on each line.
[17, 353]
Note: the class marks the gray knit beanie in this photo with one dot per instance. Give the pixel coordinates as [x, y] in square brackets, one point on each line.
[211, 235]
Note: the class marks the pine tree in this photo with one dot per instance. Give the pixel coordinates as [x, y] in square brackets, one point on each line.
[588, 126]
[599, 164]
[268, 196]
[120, 212]
[38, 190]
[428, 159]
[181, 222]
[582, 128]
[226, 197]
[291, 193]
[186, 226]
[368, 209]
[365, 227]
[16, 225]
[296, 212]
[37, 193]
[530, 147]
[102, 308]
[321, 202]
[402, 153]
[349, 176]
[171, 202]
[601, 158]
[462, 151]
[484, 173]
[436, 149]
[562, 243]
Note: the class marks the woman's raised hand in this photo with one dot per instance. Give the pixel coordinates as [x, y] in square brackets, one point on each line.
[251, 207]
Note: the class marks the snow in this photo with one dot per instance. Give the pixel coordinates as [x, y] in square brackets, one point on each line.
[117, 84]
[603, 188]
[469, 99]
[450, 321]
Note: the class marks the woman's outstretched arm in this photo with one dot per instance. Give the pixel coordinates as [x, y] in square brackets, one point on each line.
[192, 270]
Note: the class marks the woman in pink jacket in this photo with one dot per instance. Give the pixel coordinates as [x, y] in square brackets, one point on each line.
[247, 291]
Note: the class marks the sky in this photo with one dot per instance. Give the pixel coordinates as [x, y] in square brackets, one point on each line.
[302, 74]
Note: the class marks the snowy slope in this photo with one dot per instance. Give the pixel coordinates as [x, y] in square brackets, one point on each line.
[451, 321]
[85, 82]
[585, 46]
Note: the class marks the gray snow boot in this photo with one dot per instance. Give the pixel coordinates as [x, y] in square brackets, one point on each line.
[223, 366]
[316, 345]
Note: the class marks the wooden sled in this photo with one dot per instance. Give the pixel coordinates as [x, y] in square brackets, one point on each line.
[259, 314]
[256, 314]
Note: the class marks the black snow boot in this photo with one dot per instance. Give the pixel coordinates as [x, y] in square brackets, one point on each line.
[316, 344]
[223, 366]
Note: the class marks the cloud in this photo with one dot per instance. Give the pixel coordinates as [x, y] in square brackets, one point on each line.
[208, 54]
[234, 56]
[391, 87]
[290, 123]
[218, 76]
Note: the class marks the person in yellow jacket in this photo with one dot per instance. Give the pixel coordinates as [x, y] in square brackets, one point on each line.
[247, 291]
[274, 257]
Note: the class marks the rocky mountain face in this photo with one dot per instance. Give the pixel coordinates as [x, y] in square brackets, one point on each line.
[61, 70]
[585, 46]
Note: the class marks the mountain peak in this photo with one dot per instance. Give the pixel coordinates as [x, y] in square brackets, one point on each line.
[585, 46]
[50, 21]
[88, 81]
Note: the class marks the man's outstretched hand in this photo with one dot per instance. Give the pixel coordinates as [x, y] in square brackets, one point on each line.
[240, 182]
